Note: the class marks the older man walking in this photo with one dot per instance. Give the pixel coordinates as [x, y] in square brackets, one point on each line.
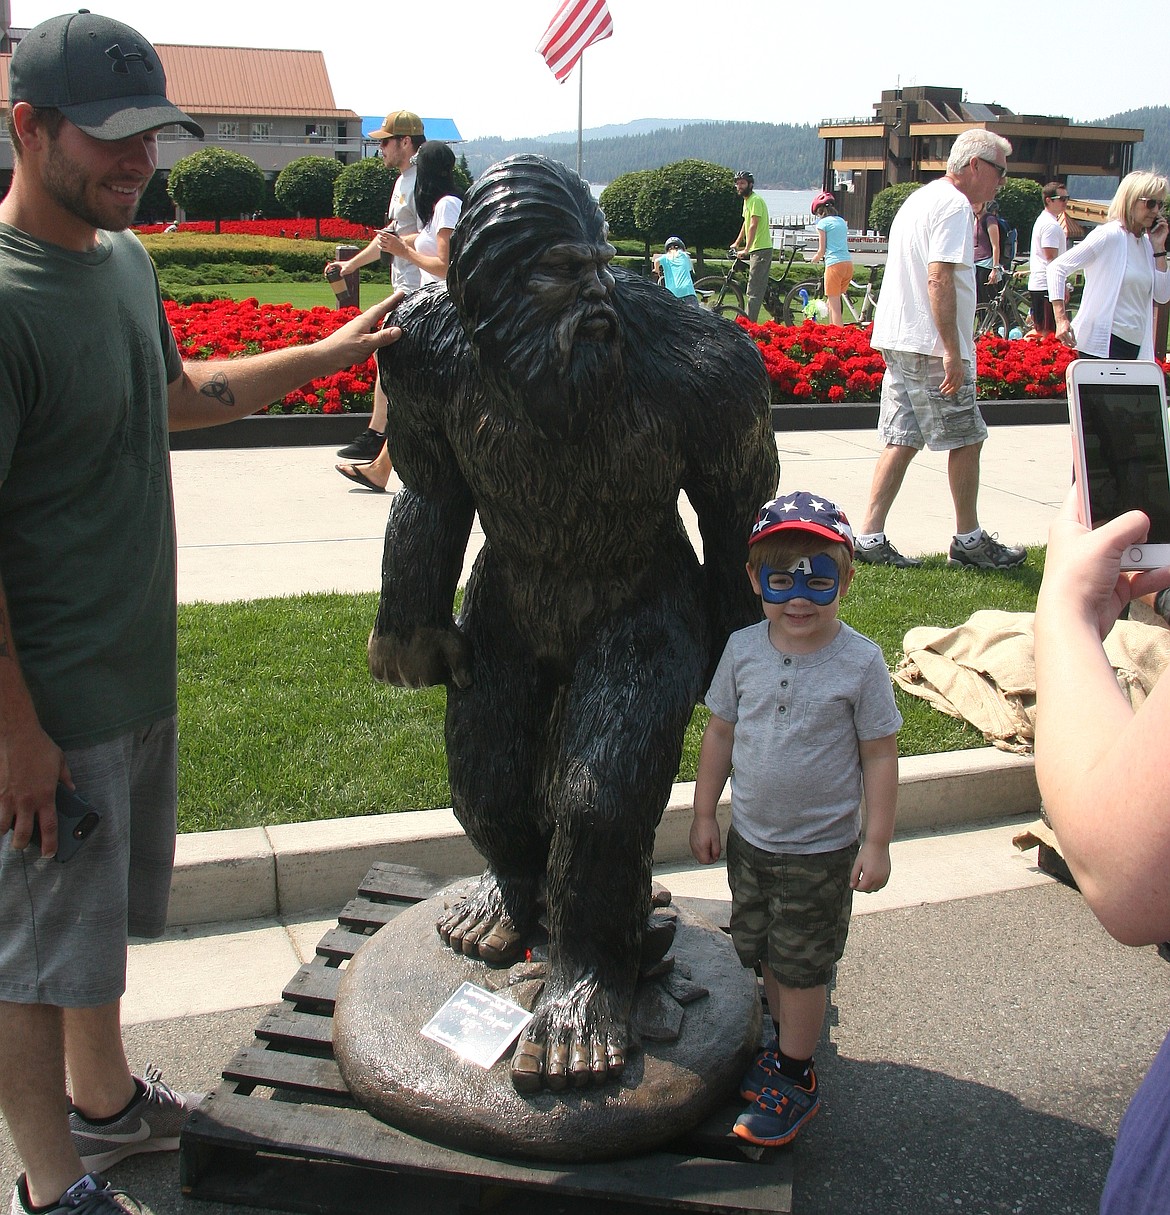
[924, 328]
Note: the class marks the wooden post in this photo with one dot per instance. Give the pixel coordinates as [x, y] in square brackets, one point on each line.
[348, 289]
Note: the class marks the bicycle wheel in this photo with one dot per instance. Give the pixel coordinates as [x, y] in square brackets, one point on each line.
[990, 318]
[719, 293]
[794, 303]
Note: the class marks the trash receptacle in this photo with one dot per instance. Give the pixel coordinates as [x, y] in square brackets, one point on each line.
[347, 288]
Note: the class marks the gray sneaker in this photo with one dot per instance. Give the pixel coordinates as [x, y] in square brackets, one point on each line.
[988, 554]
[883, 554]
[151, 1124]
[89, 1196]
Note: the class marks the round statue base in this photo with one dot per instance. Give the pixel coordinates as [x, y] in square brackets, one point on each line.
[393, 986]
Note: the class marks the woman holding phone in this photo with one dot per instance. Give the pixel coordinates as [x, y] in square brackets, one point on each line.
[1124, 261]
[438, 201]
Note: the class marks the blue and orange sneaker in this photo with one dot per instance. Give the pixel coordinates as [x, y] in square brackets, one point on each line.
[761, 1075]
[779, 1113]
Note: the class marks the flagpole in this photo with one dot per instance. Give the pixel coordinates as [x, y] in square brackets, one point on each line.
[580, 105]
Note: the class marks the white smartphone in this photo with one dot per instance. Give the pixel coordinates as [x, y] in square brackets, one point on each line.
[1121, 449]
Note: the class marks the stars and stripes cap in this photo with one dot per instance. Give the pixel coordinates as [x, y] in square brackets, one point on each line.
[102, 75]
[803, 512]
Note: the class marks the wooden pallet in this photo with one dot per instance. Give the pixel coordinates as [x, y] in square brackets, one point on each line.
[282, 1131]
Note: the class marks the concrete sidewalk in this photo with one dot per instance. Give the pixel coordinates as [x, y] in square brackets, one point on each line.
[281, 521]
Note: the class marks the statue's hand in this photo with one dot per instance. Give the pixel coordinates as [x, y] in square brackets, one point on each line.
[429, 656]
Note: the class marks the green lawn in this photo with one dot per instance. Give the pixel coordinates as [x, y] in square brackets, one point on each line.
[280, 721]
[300, 295]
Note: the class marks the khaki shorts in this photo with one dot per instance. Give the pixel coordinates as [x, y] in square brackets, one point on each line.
[790, 911]
[914, 413]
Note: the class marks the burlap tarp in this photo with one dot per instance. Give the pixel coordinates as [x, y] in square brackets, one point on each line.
[983, 671]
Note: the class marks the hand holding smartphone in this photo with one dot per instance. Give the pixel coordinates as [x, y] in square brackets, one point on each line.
[1121, 449]
[76, 822]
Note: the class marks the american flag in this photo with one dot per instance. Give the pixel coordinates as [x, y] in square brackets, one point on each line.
[577, 24]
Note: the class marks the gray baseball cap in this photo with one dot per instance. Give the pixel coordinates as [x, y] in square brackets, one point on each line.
[102, 75]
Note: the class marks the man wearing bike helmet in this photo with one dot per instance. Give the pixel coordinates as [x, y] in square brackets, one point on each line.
[754, 239]
[673, 266]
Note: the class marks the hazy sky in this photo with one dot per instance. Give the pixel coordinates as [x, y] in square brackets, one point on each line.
[675, 58]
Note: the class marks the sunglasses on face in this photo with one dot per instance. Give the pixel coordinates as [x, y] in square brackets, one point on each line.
[1059, 198]
[1155, 204]
[1000, 169]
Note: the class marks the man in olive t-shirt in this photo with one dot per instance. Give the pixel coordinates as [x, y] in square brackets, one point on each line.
[90, 383]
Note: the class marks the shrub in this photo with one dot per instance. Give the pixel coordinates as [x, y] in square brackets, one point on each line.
[214, 183]
[886, 204]
[362, 191]
[1020, 202]
[305, 185]
[692, 199]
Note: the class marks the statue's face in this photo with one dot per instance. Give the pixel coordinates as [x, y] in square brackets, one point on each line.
[576, 274]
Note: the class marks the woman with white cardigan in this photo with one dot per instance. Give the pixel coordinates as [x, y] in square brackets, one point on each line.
[1124, 261]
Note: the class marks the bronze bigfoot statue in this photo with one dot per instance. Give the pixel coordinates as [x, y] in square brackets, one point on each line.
[568, 403]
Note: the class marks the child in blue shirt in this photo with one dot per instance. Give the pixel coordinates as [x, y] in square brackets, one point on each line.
[674, 265]
[804, 721]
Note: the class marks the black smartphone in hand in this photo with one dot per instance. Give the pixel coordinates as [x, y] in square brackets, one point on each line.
[76, 822]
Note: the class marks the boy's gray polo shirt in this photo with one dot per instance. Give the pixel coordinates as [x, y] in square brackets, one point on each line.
[796, 779]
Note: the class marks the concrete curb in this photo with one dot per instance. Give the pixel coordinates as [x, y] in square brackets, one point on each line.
[335, 430]
[266, 872]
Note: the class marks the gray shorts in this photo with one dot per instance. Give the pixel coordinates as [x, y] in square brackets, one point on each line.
[63, 927]
[915, 414]
[790, 911]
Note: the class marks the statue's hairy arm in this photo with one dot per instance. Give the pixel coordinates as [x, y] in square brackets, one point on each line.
[416, 641]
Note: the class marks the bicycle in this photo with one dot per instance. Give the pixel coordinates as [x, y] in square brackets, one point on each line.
[796, 301]
[1009, 306]
[725, 293]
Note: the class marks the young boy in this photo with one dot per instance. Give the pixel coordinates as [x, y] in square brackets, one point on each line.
[803, 711]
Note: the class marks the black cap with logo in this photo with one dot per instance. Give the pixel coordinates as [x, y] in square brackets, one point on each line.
[102, 75]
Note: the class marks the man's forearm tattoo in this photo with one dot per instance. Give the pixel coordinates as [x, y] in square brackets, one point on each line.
[219, 388]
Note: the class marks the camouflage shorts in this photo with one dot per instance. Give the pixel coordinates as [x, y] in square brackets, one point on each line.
[790, 911]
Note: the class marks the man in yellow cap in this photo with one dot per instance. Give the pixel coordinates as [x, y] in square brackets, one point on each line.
[401, 136]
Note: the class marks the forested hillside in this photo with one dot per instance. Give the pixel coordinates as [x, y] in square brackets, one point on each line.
[783, 157]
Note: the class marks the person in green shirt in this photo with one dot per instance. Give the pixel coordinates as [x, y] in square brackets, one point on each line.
[754, 239]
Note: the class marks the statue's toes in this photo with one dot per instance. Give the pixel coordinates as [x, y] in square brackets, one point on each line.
[500, 943]
[556, 1067]
[580, 1071]
[528, 1066]
[615, 1059]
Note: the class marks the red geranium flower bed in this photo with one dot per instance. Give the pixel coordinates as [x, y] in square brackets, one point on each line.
[807, 364]
[819, 363]
[294, 229]
[228, 328]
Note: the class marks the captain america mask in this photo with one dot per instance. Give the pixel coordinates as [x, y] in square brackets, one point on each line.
[816, 579]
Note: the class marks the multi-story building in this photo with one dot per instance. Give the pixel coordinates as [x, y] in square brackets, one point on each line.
[910, 137]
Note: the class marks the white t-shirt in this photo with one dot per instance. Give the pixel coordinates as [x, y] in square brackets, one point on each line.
[1131, 316]
[934, 224]
[401, 214]
[1046, 234]
[446, 215]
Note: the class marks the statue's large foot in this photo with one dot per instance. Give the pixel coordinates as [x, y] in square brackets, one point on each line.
[480, 925]
[575, 1039]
